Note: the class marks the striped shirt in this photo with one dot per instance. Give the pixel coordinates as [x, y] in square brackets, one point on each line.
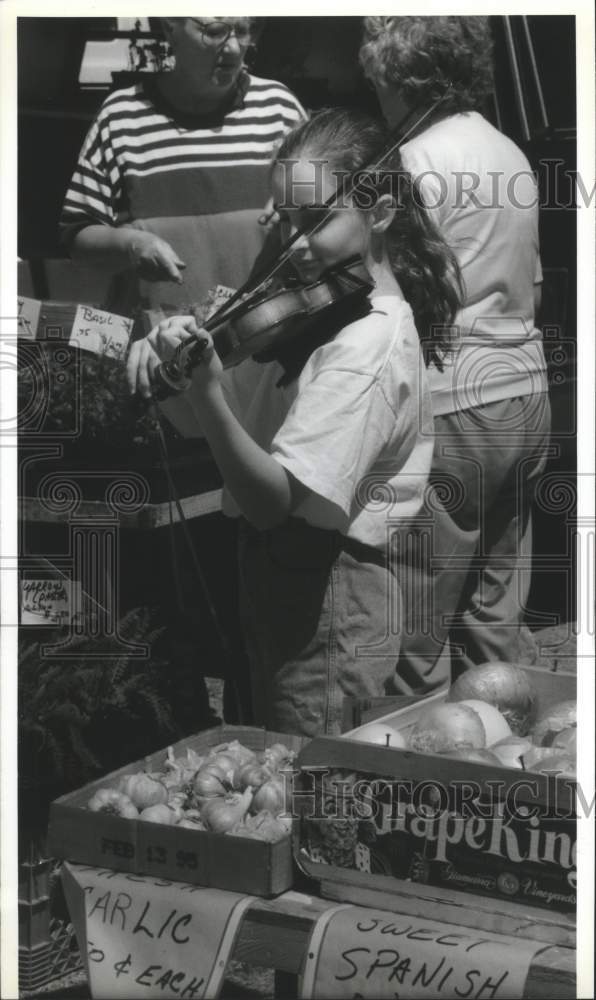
[198, 181]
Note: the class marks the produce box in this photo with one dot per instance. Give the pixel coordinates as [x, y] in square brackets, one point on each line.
[184, 855]
[386, 815]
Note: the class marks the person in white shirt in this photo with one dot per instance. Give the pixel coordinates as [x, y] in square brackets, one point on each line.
[327, 463]
[490, 401]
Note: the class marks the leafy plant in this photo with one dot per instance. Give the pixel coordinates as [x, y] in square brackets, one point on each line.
[90, 392]
[79, 718]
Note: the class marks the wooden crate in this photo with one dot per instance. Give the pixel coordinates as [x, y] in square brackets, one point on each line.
[194, 856]
[550, 686]
[492, 848]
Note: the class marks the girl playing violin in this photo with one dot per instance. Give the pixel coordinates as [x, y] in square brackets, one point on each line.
[326, 469]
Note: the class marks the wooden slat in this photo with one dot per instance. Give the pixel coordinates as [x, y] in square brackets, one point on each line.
[151, 516]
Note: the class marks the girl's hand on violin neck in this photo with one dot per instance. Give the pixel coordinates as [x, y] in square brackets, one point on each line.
[159, 345]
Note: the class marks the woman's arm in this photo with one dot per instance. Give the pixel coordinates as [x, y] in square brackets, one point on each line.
[116, 248]
[96, 217]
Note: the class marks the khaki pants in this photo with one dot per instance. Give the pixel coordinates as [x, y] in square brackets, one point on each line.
[472, 554]
[321, 620]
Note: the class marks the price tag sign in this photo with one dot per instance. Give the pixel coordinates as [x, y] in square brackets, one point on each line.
[28, 317]
[356, 952]
[218, 297]
[150, 937]
[50, 602]
[101, 332]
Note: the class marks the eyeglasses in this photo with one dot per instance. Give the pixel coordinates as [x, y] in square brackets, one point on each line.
[216, 33]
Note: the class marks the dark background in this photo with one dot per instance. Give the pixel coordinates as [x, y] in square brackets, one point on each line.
[317, 59]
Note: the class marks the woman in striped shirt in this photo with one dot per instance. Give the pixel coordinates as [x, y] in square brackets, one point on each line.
[173, 173]
[166, 197]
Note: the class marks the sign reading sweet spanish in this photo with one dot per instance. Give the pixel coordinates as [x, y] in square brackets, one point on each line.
[356, 952]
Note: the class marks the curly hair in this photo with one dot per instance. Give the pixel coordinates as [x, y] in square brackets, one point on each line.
[428, 57]
[426, 270]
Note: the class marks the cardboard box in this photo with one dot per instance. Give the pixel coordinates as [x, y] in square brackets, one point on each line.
[194, 856]
[425, 818]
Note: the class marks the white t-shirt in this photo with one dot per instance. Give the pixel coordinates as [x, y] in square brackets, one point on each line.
[481, 193]
[355, 427]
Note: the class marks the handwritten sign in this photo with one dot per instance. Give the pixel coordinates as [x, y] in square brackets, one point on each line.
[27, 317]
[356, 952]
[218, 297]
[150, 937]
[50, 602]
[101, 332]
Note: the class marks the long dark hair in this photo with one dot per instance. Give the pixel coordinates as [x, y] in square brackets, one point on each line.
[426, 270]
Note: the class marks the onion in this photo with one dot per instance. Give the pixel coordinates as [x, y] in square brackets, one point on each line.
[510, 750]
[225, 762]
[496, 725]
[380, 733]
[207, 784]
[446, 727]
[222, 814]
[158, 814]
[503, 685]
[110, 800]
[212, 768]
[270, 796]
[557, 717]
[143, 790]
[253, 774]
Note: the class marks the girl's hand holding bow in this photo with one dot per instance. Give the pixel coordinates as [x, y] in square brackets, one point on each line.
[160, 345]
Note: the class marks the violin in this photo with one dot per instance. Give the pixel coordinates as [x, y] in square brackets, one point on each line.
[262, 324]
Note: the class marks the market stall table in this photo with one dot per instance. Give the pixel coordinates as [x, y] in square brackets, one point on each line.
[275, 933]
